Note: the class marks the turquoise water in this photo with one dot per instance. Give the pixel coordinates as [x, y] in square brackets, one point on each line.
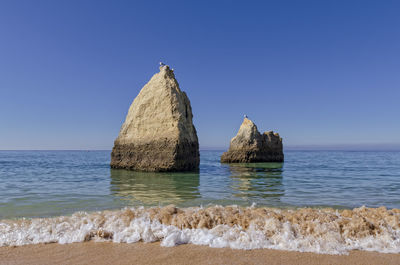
[50, 183]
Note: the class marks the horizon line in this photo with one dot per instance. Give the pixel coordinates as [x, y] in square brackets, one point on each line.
[312, 147]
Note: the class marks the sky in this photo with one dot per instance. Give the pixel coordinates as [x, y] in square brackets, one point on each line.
[321, 73]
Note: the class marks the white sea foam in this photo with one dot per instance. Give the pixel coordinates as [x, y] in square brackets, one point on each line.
[306, 230]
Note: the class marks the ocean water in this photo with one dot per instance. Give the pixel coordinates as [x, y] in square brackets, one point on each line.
[73, 196]
[51, 183]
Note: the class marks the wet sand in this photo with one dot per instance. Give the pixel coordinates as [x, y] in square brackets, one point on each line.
[152, 253]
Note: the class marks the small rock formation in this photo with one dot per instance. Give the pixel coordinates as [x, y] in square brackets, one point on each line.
[250, 146]
[158, 133]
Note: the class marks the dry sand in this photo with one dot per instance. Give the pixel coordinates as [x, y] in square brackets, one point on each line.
[153, 253]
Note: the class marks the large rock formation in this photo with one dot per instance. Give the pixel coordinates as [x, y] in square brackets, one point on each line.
[158, 133]
[250, 146]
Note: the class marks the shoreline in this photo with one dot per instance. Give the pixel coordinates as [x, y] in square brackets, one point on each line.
[325, 231]
[152, 253]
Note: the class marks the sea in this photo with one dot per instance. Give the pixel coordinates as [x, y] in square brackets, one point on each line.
[316, 201]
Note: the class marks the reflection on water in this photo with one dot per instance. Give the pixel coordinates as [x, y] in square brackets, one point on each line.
[150, 188]
[241, 183]
[257, 181]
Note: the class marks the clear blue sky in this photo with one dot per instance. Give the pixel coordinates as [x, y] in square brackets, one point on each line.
[318, 72]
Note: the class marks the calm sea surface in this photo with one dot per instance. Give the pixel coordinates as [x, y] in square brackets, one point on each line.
[50, 183]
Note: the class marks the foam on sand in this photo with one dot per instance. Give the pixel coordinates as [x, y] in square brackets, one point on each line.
[310, 230]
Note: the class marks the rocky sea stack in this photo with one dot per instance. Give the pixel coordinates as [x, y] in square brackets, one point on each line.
[158, 133]
[251, 146]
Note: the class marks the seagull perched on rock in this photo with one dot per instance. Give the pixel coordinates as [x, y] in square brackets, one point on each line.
[162, 64]
[245, 116]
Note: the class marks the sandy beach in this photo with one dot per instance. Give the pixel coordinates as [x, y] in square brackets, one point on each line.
[152, 253]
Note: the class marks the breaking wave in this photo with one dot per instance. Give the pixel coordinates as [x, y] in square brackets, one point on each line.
[307, 230]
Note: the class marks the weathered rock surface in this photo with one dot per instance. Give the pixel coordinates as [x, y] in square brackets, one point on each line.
[251, 146]
[158, 133]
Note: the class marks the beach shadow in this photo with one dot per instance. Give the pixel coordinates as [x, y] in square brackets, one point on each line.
[153, 188]
[257, 180]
